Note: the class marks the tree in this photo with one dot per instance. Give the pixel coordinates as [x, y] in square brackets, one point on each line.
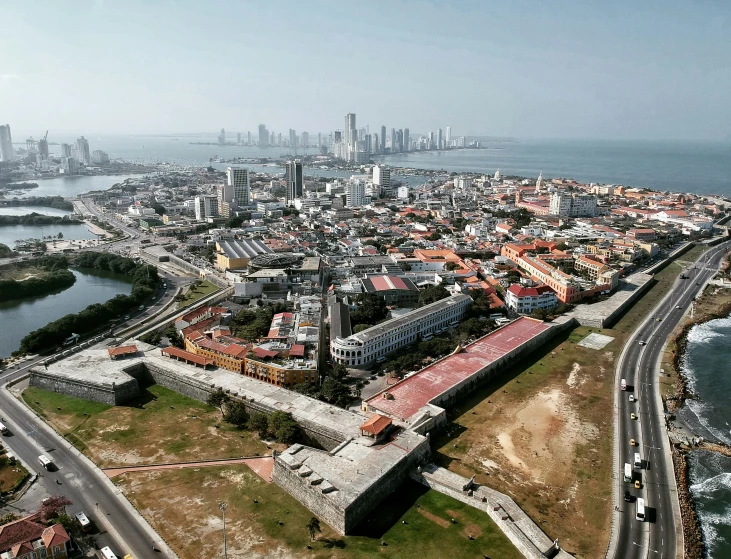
[313, 527]
[8, 518]
[60, 235]
[540, 314]
[432, 294]
[219, 399]
[283, 427]
[335, 392]
[260, 423]
[360, 327]
[451, 266]
[236, 414]
[52, 506]
[159, 209]
[436, 236]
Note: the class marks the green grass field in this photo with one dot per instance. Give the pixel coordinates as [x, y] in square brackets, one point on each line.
[415, 523]
[196, 293]
[162, 425]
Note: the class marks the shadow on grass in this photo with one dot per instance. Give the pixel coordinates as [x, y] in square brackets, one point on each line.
[389, 511]
[332, 543]
[143, 399]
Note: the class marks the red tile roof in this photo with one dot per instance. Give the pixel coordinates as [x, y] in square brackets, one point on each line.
[376, 424]
[187, 356]
[122, 350]
[264, 353]
[297, 350]
[55, 535]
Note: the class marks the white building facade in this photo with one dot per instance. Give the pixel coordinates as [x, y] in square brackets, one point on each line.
[364, 348]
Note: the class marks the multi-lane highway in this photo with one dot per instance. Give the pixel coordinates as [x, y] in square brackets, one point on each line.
[76, 478]
[659, 535]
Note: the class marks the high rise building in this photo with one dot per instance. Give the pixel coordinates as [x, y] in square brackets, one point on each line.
[393, 140]
[383, 139]
[65, 150]
[222, 137]
[99, 157]
[431, 140]
[382, 177]
[248, 138]
[239, 180]
[293, 180]
[279, 139]
[375, 144]
[263, 136]
[407, 140]
[305, 140]
[355, 194]
[566, 204]
[349, 126]
[319, 139]
[6, 144]
[449, 136]
[439, 139]
[238, 138]
[351, 137]
[43, 147]
[69, 165]
[206, 206]
[82, 150]
[272, 139]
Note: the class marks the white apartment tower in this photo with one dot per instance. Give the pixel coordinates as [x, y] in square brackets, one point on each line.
[239, 181]
[205, 206]
[382, 177]
[355, 194]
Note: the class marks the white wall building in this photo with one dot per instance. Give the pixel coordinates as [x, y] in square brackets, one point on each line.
[355, 194]
[525, 300]
[206, 206]
[565, 204]
[403, 192]
[382, 177]
[240, 182]
[365, 347]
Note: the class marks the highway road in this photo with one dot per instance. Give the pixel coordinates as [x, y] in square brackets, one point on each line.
[639, 365]
[29, 438]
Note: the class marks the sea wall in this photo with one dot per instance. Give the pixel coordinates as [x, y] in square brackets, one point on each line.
[692, 533]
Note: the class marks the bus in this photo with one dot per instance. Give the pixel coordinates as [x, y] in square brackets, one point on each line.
[83, 521]
[46, 462]
[638, 460]
[628, 473]
[640, 515]
[623, 384]
[107, 553]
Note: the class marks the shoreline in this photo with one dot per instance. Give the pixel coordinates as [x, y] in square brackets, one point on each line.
[682, 438]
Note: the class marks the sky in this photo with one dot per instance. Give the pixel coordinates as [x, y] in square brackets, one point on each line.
[559, 69]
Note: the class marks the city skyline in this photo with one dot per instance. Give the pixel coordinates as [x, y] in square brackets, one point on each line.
[518, 71]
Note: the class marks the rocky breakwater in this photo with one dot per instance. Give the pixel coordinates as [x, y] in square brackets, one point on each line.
[694, 545]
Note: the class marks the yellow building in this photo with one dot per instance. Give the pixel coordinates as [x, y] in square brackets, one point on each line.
[235, 254]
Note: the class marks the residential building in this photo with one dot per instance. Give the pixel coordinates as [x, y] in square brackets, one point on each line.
[99, 157]
[82, 151]
[566, 204]
[239, 181]
[206, 206]
[263, 136]
[364, 348]
[406, 143]
[525, 300]
[29, 538]
[382, 177]
[355, 194]
[66, 150]
[383, 139]
[293, 180]
[70, 165]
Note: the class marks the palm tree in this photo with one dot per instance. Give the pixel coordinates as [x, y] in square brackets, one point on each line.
[313, 527]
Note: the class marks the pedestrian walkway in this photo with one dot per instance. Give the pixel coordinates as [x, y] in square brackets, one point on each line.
[262, 466]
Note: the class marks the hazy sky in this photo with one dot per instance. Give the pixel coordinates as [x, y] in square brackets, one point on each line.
[582, 69]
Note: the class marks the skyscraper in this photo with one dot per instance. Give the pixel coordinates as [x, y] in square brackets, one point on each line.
[248, 138]
[355, 194]
[305, 140]
[82, 149]
[6, 144]
[351, 137]
[65, 150]
[449, 136]
[240, 182]
[222, 137]
[383, 139]
[439, 139]
[393, 140]
[263, 136]
[293, 180]
[407, 140]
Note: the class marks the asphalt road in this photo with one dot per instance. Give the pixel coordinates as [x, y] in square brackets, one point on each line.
[656, 537]
[118, 528]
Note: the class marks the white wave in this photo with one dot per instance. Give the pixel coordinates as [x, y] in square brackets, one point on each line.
[709, 524]
[707, 331]
[701, 410]
[711, 485]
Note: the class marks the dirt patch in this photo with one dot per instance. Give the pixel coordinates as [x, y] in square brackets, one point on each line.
[434, 518]
[543, 436]
[472, 531]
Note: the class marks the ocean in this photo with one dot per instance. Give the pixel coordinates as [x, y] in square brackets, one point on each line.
[699, 167]
[709, 377]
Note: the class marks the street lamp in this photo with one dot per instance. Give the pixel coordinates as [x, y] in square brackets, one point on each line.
[222, 506]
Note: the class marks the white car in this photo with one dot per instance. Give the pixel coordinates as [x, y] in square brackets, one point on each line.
[678, 307]
[631, 398]
[642, 343]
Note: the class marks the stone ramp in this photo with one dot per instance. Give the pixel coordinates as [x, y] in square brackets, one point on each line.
[523, 533]
[261, 465]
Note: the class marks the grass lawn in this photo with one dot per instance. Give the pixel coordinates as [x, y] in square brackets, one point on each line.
[169, 499]
[20, 273]
[10, 474]
[160, 426]
[194, 293]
